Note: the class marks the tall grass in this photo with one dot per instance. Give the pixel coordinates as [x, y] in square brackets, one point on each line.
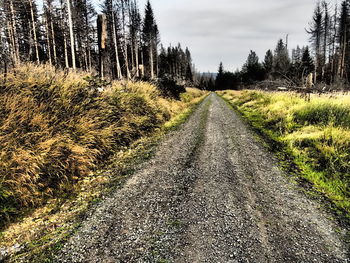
[57, 126]
[316, 133]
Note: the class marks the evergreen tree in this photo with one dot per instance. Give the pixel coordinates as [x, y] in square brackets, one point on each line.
[316, 32]
[281, 60]
[150, 38]
[268, 62]
[307, 62]
[252, 69]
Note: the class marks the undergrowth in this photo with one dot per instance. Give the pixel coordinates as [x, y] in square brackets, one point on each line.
[315, 134]
[56, 127]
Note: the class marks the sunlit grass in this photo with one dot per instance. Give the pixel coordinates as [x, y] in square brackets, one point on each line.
[316, 133]
[56, 127]
[57, 131]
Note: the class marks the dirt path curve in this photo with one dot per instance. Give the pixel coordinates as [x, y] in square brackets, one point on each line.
[211, 194]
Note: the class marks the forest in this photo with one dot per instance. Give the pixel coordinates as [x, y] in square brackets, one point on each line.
[96, 114]
[83, 87]
[327, 57]
[65, 34]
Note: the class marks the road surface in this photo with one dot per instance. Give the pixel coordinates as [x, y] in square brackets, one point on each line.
[212, 193]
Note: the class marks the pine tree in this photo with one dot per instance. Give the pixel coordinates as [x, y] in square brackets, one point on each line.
[135, 26]
[281, 60]
[252, 69]
[150, 37]
[316, 32]
[307, 62]
[268, 63]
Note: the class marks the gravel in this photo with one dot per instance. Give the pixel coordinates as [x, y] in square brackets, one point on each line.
[212, 193]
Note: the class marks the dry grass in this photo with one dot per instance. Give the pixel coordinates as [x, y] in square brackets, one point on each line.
[57, 126]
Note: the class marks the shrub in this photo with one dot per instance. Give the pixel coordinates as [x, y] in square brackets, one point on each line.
[169, 88]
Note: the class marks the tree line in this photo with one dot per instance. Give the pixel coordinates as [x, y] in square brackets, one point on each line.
[64, 33]
[327, 57]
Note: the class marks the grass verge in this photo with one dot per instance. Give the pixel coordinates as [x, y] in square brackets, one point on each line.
[67, 140]
[311, 139]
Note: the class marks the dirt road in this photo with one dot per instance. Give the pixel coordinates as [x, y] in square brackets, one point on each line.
[211, 194]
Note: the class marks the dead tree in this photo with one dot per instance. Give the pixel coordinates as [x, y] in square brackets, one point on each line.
[102, 39]
[71, 33]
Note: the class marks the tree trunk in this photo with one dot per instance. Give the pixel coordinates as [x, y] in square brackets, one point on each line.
[14, 35]
[71, 34]
[102, 39]
[65, 46]
[142, 60]
[53, 34]
[341, 63]
[157, 62]
[119, 71]
[125, 51]
[137, 59]
[87, 41]
[151, 59]
[343, 54]
[11, 42]
[132, 58]
[34, 31]
[48, 38]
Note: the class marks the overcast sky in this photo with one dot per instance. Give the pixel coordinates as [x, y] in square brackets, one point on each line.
[226, 30]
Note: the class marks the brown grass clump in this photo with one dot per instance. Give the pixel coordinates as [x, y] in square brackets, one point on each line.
[57, 126]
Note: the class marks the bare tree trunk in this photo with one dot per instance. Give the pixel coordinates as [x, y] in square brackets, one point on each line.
[53, 43]
[11, 42]
[14, 35]
[157, 62]
[341, 63]
[142, 60]
[34, 31]
[87, 41]
[71, 33]
[343, 54]
[335, 18]
[125, 43]
[151, 59]
[48, 39]
[137, 59]
[66, 62]
[53, 35]
[102, 39]
[119, 71]
[132, 58]
[325, 37]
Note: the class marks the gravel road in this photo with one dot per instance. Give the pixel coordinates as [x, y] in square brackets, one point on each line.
[212, 193]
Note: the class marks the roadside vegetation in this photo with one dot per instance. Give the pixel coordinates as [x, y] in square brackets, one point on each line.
[315, 135]
[58, 129]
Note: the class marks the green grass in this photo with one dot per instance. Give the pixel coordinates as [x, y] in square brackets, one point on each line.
[313, 138]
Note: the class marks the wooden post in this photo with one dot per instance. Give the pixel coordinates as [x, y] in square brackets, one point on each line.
[309, 86]
[102, 39]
